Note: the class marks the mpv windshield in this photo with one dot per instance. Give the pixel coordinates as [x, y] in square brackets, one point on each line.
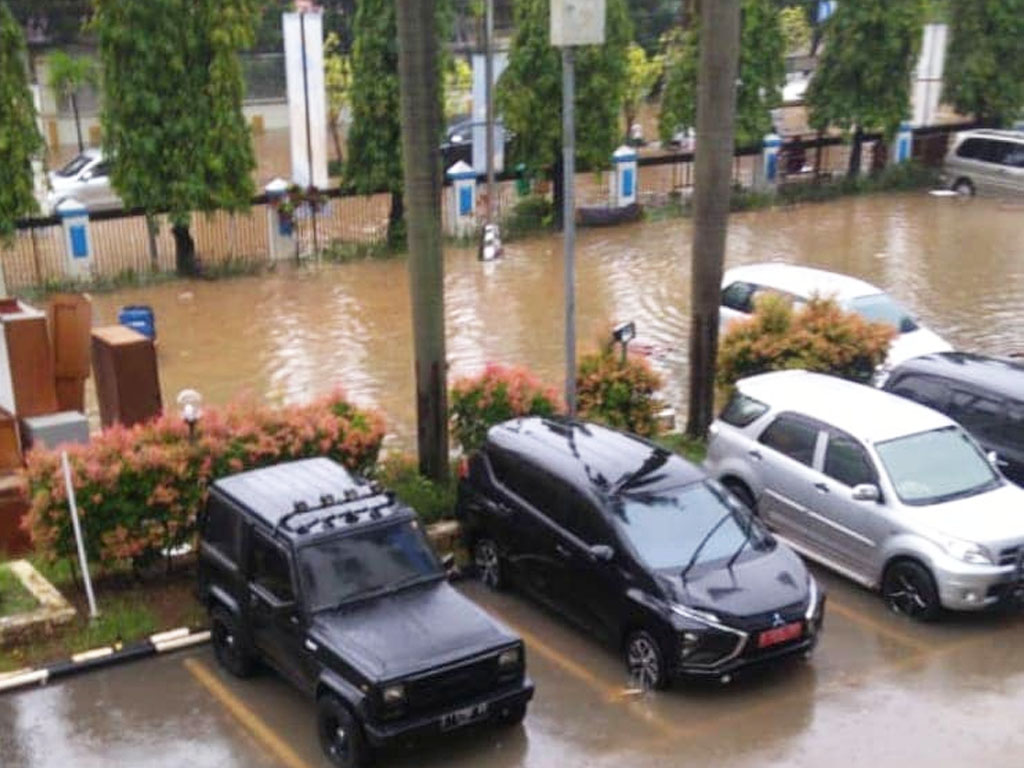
[880, 308]
[74, 166]
[932, 467]
[335, 571]
[692, 525]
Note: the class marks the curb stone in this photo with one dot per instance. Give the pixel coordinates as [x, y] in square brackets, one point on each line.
[96, 658]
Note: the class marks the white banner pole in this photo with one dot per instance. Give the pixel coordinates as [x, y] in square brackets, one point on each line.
[78, 533]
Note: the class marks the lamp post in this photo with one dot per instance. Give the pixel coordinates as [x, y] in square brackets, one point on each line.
[190, 408]
[573, 23]
[623, 334]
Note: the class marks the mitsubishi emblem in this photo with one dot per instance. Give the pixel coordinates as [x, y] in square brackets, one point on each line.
[777, 620]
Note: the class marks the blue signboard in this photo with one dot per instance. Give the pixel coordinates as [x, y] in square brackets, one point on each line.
[465, 200]
[79, 246]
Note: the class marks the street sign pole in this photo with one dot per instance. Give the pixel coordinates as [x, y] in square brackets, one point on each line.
[569, 223]
[489, 91]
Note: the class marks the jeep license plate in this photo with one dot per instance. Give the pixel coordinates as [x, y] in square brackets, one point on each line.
[778, 635]
[465, 716]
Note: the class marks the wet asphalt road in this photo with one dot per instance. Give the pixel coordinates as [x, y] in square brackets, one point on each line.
[879, 691]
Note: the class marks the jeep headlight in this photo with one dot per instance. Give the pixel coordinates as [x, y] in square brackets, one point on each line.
[966, 551]
[393, 695]
[509, 658]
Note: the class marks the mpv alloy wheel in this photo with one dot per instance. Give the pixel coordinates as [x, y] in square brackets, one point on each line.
[488, 563]
[645, 662]
[909, 589]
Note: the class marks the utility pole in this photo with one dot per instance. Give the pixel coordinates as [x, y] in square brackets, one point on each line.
[569, 223]
[716, 113]
[489, 91]
[421, 125]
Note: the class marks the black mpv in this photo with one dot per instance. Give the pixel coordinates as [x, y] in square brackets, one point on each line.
[329, 580]
[637, 545]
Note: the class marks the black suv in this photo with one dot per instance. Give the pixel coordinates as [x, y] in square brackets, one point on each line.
[984, 394]
[330, 581]
[637, 546]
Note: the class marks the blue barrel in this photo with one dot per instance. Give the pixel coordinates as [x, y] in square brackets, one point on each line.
[140, 317]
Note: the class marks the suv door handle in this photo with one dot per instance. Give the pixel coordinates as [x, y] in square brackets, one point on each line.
[563, 551]
[755, 454]
[822, 487]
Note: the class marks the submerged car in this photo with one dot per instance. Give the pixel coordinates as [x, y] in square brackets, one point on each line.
[886, 492]
[742, 286]
[638, 547]
[986, 161]
[86, 178]
[330, 581]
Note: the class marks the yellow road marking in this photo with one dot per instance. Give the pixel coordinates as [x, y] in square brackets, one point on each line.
[874, 625]
[249, 720]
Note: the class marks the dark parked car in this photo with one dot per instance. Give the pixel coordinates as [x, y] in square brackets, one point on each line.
[637, 546]
[329, 580]
[984, 394]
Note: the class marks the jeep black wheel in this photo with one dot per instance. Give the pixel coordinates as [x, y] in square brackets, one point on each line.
[229, 645]
[512, 716]
[488, 563]
[341, 737]
[645, 661]
[909, 589]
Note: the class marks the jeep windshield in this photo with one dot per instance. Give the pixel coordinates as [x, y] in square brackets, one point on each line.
[356, 566]
[936, 466]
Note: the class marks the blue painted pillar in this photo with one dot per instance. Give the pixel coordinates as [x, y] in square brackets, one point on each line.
[624, 178]
[769, 175]
[77, 240]
[903, 144]
[462, 201]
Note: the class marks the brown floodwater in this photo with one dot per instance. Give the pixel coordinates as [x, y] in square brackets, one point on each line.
[289, 335]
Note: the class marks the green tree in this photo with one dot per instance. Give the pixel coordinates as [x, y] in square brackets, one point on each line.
[863, 77]
[172, 108]
[338, 84]
[985, 68]
[530, 91]
[20, 141]
[374, 162]
[796, 31]
[68, 76]
[652, 19]
[762, 74]
[642, 74]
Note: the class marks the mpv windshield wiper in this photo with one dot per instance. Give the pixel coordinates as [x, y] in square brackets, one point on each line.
[703, 543]
[746, 540]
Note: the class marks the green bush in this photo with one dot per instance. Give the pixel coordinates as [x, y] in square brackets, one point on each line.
[534, 213]
[432, 501]
[817, 337]
[621, 394]
[496, 395]
[138, 489]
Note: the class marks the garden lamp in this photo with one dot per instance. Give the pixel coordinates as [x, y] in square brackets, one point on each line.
[190, 407]
[623, 333]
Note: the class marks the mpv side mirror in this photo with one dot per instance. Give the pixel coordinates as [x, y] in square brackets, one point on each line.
[994, 460]
[866, 492]
[602, 553]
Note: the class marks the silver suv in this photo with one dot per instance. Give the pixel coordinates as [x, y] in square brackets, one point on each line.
[986, 162]
[887, 492]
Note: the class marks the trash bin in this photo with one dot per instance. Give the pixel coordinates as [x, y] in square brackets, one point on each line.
[522, 180]
[139, 317]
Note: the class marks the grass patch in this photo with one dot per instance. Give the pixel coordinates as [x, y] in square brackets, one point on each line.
[14, 598]
[690, 448]
[341, 252]
[120, 620]
[432, 501]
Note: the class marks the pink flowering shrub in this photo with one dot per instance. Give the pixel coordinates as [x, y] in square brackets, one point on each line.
[496, 395]
[620, 394]
[139, 488]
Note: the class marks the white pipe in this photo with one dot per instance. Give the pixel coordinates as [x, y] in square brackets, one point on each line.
[182, 642]
[17, 681]
[78, 533]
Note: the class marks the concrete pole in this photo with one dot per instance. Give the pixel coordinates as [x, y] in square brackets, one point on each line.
[421, 125]
[489, 91]
[569, 224]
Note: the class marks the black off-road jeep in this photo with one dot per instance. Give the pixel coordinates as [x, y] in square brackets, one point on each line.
[328, 579]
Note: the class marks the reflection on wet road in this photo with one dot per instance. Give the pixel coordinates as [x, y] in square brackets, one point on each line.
[880, 691]
[290, 335]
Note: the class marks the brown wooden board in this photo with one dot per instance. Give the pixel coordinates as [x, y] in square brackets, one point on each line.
[70, 316]
[10, 442]
[127, 382]
[31, 365]
[70, 394]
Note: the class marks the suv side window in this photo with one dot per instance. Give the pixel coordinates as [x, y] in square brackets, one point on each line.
[270, 569]
[585, 523]
[986, 150]
[221, 527]
[793, 437]
[742, 410]
[737, 296]
[926, 390]
[1014, 156]
[980, 415]
[847, 461]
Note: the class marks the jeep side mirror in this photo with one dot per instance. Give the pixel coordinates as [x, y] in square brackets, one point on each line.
[602, 553]
[866, 492]
[451, 570]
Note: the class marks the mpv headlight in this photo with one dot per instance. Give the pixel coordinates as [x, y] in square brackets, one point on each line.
[694, 613]
[967, 551]
[509, 658]
[393, 694]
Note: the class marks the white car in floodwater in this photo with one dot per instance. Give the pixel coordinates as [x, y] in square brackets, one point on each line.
[742, 286]
[86, 178]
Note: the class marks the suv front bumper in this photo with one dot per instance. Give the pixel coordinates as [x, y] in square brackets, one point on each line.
[975, 588]
[499, 701]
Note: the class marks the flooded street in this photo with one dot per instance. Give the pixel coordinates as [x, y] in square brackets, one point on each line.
[286, 336]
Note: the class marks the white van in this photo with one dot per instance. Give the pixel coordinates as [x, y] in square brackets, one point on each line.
[986, 162]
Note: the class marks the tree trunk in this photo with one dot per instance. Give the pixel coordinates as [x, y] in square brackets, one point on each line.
[78, 123]
[336, 139]
[558, 192]
[716, 114]
[184, 251]
[396, 222]
[421, 125]
[855, 153]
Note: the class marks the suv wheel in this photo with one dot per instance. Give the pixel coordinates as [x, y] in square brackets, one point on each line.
[910, 590]
[741, 492]
[341, 738]
[229, 646]
[645, 661]
[964, 188]
[488, 563]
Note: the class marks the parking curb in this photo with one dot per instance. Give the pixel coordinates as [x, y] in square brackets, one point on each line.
[97, 658]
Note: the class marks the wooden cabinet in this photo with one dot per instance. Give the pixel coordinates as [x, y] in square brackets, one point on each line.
[26, 362]
[127, 383]
[70, 318]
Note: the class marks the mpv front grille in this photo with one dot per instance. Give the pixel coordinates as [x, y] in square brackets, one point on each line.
[452, 685]
[767, 620]
[1009, 555]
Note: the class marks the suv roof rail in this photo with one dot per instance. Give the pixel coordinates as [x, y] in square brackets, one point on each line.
[378, 499]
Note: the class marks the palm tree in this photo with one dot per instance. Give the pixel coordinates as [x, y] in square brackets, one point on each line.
[68, 75]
